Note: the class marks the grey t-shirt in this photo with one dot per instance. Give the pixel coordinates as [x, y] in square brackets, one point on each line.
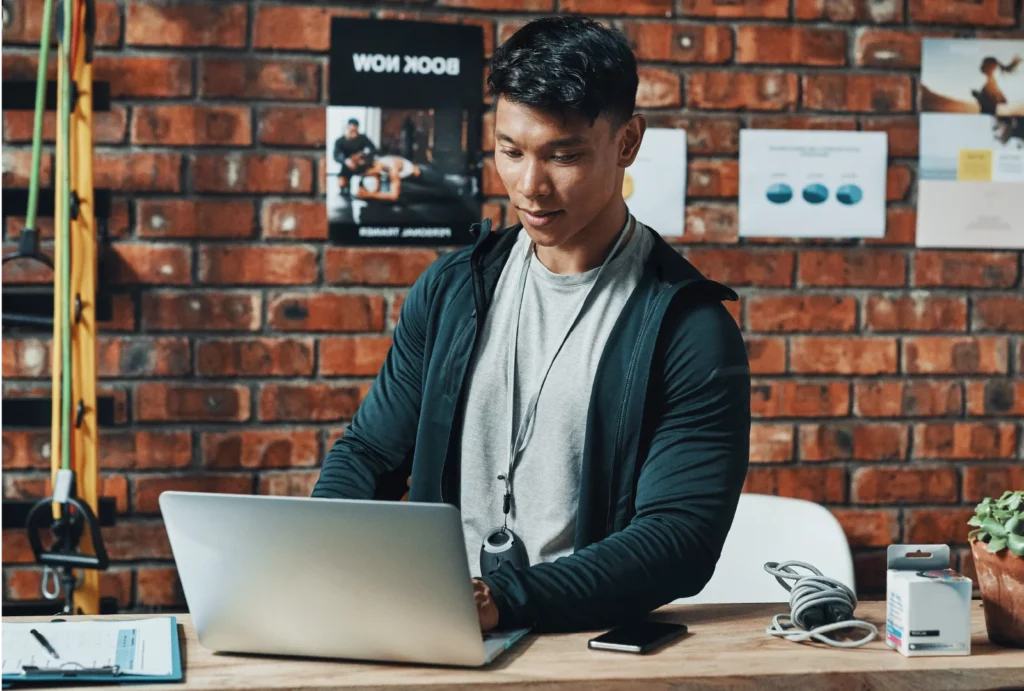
[547, 475]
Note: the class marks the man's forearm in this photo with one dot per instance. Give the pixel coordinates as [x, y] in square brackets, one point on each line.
[622, 577]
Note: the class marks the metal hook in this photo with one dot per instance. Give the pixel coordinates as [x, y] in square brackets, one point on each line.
[50, 574]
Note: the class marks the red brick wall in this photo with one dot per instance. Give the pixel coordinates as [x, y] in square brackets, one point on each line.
[888, 380]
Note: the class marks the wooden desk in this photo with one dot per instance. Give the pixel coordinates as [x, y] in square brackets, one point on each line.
[725, 649]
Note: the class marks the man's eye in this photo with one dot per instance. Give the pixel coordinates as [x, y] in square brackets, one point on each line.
[511, 153]
[565, 158]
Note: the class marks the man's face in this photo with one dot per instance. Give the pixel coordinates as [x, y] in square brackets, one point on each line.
[353, 131]
[560, 172]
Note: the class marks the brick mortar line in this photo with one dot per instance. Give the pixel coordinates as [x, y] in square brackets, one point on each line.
[907, 424]
[218, 427]
[758, 379]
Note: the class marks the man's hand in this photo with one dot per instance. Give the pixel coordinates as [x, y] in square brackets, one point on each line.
[485, 607]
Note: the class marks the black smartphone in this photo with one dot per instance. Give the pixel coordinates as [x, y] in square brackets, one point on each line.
[640, 638]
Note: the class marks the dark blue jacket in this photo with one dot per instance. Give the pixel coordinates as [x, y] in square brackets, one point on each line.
[666, 448]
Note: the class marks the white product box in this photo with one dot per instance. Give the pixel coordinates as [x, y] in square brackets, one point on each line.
[929, 604]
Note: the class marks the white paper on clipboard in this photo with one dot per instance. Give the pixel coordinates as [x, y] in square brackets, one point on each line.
[137, 646]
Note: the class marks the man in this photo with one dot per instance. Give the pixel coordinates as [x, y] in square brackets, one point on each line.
[407, 181]
[625, 474]
[351, 151]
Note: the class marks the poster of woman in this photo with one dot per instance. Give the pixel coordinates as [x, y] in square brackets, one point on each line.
[972, 76]
[971, 144]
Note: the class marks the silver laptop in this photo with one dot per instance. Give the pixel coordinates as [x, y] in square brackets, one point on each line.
[362, 580]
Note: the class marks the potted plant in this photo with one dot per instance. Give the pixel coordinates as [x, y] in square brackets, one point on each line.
[997, 543]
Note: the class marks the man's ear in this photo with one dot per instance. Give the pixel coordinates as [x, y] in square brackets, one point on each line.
[633, 136]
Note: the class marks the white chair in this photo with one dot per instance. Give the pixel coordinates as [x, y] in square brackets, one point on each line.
[769, 528]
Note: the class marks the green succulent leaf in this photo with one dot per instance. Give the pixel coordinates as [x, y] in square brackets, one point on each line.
[1016, 544]
[994, 527]
[1000, 522]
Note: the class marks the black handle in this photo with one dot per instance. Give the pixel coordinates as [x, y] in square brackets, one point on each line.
[83, 561]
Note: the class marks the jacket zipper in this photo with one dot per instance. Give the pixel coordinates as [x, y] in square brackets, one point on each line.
[476, 272]
[452, 354]
[625, 398]
[673, 290]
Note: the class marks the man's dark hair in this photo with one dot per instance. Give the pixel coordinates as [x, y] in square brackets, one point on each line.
[353, 121]
[564, 64]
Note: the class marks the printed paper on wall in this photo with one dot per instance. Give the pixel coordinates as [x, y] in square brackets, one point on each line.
[403, 132]
[798, 183]
[654, 187]
[972, 144]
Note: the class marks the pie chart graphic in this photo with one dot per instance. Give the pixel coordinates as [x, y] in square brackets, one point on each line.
[815, 194]
[849, 194]
[779, 193]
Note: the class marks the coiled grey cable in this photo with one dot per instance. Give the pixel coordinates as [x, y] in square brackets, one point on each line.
[818, 605]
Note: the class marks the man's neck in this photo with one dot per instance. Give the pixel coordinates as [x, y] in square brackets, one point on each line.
[590, 246]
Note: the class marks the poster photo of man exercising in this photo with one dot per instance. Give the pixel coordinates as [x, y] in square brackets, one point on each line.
[404, 164]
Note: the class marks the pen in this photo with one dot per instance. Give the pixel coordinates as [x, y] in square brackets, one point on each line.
[45, 643]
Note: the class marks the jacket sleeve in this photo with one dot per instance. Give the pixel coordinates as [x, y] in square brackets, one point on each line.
[383, 430]
[686, 496]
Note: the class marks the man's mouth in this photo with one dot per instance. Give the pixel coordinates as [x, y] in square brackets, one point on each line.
[539, 217]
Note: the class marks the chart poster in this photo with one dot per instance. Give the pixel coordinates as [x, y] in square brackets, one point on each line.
[403, 132]
[971, 189]
[820, 184]
[654, 187]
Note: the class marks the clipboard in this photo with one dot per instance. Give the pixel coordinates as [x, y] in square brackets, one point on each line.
[51, 675]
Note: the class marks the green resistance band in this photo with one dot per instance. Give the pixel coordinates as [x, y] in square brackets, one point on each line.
[63, 274]
[37, 123]
[64, 122]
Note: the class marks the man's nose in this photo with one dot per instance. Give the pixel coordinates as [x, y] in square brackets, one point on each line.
[533, 182]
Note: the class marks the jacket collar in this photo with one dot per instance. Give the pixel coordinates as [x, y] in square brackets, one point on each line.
[491, 244]
[666, 263]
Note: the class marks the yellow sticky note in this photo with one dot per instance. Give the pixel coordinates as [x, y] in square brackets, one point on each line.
[975, 164]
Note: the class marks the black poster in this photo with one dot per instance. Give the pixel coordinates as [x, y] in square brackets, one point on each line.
[403, 132]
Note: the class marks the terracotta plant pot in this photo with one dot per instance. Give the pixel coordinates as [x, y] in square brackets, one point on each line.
[1001, 578]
